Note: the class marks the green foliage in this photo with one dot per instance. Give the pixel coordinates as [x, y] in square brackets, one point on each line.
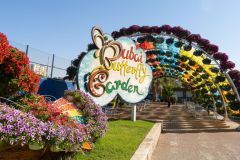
[91, 46]
[168, 91]
[72, 71]
[75, 62]
[168, 85]
[120, 142]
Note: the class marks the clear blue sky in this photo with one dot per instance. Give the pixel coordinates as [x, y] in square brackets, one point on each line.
[63, 26]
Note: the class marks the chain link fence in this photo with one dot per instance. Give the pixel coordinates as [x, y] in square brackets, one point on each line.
[43, 63]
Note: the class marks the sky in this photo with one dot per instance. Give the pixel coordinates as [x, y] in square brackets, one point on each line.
[63, 27]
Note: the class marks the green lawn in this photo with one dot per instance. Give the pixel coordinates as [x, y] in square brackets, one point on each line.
[120, 142]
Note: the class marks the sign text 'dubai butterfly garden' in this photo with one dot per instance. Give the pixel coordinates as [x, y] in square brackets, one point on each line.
[115, 68]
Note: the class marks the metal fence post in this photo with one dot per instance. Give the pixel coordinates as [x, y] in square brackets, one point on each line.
[52, 65]
[27, 49]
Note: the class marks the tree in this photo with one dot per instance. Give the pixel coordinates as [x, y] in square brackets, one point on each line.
[168, 84]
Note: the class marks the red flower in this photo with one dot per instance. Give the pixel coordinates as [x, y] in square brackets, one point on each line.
[147, 45]
[15, 70]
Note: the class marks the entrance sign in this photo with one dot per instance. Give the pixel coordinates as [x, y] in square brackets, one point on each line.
[116, 67]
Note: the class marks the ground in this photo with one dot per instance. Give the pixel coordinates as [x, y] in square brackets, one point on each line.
[198, 146]
[185, 137]
[175, 118]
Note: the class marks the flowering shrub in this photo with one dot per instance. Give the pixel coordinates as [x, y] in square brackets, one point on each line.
[3, 46]
[15, 73]
[37, 105]
[43, 112]
[19, 128]
[96, 124]
[37, 121]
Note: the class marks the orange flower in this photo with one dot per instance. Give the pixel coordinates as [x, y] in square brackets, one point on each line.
[87, 145]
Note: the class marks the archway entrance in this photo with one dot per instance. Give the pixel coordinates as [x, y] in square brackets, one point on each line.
[170, 52]
[105, 73]
[175, 52]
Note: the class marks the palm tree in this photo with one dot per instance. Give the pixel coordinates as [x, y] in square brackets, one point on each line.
[167, 85]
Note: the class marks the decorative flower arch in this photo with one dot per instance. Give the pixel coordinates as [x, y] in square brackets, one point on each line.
[175, 52]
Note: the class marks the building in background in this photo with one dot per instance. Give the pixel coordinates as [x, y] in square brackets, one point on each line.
[182, 94]
[40, 69]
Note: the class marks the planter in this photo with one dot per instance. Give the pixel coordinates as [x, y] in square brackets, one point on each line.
[188, 68]
[179, 44]
[197, 53]
[191, 63]
[20, 153]
[150, 38]
[183, 58]
[35, 146]
[219, 104]
[187, 48]
[168, 54]
[214, 69]
[160, 40]
[220, 79]
[208, 83]
[3, 145]
[55, 148]
[194, 74]
[234, 105]
[213, 90]
[183, 65]
[177, 56]
[24, 153]
[140, 40]
[199, 79]
[226, 87]
[204, 76]
[199, 69]
[169, 41]
[206, 61]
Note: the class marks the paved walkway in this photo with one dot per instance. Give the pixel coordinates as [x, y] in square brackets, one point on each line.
[187, 138]
[198, 146]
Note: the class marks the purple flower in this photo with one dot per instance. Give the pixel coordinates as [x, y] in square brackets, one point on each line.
[30, 129]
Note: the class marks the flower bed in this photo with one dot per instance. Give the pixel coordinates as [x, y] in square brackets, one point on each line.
[36, 124]
[96, 120]
[19, 128]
